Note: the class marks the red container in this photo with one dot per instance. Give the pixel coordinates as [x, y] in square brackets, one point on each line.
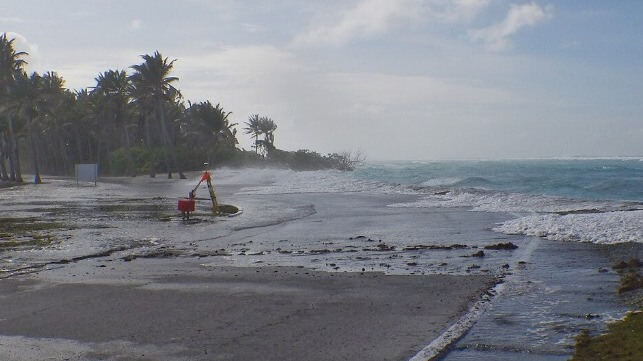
[186, 205]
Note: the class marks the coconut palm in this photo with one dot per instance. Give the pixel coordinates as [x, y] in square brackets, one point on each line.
[208, 125]
[114, 86]
[153, 88]
[267, 126]
[252, 127]
[29, 103]
[57, 100]
[11, 64]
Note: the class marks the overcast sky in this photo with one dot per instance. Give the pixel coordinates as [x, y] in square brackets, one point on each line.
[396, 79]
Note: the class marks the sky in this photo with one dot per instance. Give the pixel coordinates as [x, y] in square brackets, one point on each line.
[393, 79]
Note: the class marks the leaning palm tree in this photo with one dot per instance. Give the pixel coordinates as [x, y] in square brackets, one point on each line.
[153, 87]
[252, 127]
[11, 65]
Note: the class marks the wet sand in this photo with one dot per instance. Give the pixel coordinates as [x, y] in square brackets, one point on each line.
[95, 293]
[182, 310]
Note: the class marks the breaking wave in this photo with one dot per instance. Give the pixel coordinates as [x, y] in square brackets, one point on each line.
[604, 228]
[551, 216]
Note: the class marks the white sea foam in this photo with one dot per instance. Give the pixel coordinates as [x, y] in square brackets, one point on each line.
[489, 201]
[539, 215]
[441, 182]
[604, 228]
[320, 182]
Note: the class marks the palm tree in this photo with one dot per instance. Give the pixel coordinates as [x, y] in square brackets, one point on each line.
[4, 135]
[29, 104]
[267, 126]
[252, 127]
[209, 125]
[11, 64]
[153, 88]
[115, 86]
[56, 97]
[83, 116]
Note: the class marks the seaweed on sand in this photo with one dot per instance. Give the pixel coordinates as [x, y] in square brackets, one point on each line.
[623, 341]
[27, 232]
[631, 278]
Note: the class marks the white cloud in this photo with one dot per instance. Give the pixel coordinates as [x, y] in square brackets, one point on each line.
[310, 104]
[458, 10]
[519, 16]
[135, 24]
[366, 19]
[369, 18]
[20, 43]
[11, 20]
[253, 28]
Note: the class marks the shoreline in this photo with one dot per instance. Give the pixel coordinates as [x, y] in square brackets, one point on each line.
[115, 276]
[127, 238]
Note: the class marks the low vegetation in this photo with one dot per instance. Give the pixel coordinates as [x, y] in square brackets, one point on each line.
[21, 233]
[131, 122]
[623, 341]
[631, 278]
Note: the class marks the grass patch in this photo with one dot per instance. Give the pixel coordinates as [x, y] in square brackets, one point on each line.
[19, 226]
[623, 341]
[126, 208]
[228, 209]
[29, 241]
[27, 233]
[631, 278]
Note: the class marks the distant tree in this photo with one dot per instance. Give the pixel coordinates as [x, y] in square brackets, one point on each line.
[253, 127]
[115, 87]
[267, 127]
[208, 126]
[153, 87]
[53, 143]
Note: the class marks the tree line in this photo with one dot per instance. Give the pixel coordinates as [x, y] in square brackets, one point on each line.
[128, 123]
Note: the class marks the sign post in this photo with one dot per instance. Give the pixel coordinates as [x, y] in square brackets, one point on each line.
[86, 173]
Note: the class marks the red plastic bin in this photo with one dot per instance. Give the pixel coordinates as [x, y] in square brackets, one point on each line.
[186, 205]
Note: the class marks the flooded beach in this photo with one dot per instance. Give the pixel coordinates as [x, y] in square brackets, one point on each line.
[497, 295]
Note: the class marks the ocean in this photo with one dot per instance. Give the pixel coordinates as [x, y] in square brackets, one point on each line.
[587, 200]
[570, 218]
[575, 217]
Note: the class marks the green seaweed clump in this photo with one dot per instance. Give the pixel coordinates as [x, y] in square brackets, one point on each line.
[228, 209]
[623, 341]
[631, 278]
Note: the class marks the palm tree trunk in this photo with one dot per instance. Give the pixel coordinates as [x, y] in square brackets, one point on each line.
[148, 143]
[172, 150]
[3, 165]
[257, 143]
[14, 153]
[65, 164]
[12, 165]
[34, 153]
[166, 142]
[130, 164]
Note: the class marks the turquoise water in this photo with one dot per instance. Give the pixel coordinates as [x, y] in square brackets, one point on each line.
[571, 220]
[590, 179]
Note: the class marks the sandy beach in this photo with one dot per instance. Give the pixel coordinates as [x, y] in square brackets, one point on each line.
[306, 276]
[179, 310]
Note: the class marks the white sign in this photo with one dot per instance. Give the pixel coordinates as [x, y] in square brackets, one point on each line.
[86, 173]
